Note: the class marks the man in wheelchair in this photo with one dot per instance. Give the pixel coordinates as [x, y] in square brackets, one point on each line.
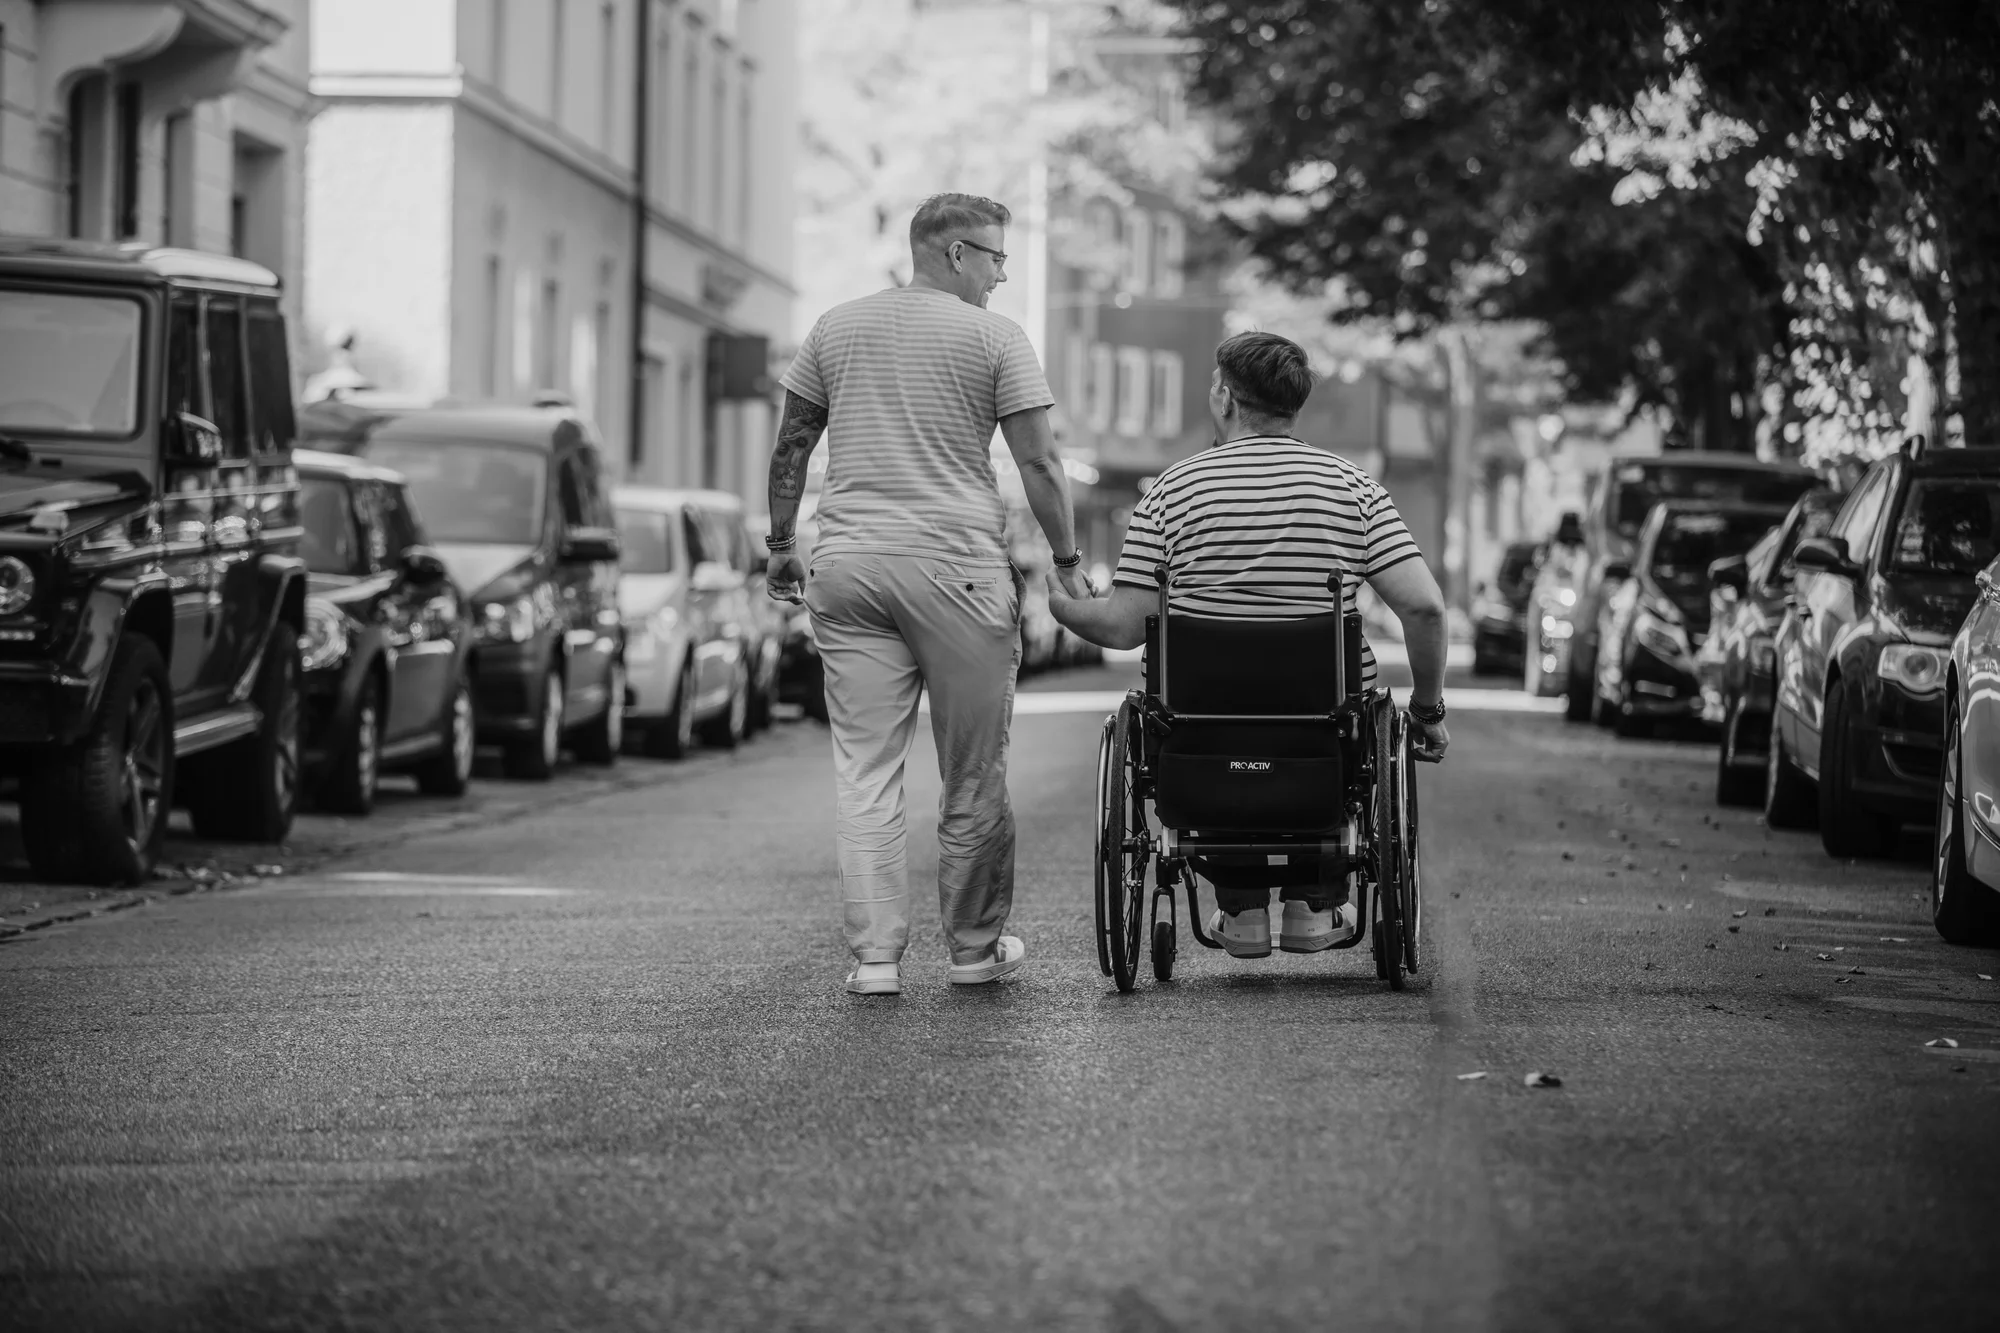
[1253, 551]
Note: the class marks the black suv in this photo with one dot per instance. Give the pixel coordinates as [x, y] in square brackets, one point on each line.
[516, 502]
[151, 594]
[1863, 653]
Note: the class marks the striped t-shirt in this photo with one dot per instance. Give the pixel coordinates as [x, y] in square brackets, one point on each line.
[914, 381]
[1252, 528]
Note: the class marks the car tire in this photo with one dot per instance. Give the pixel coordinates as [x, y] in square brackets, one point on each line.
[348, 785]
[1734, 784]
[533, 758]
[726, 730]
[673, 737]
[1964, 910]
[599, 740]
[1626, 720]
[1582, 691]
[1848, 826]
[449, 771]
[248, 790]
[96, 811]
[1789, 799]
[763, 698]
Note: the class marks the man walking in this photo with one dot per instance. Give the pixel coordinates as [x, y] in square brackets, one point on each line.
[910, 583]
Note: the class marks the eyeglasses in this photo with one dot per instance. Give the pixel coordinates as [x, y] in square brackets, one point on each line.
[999, 256]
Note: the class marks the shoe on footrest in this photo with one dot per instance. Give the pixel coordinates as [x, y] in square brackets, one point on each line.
[1307, 931]
[1243, 934]
[876, 979]
[1008, 955]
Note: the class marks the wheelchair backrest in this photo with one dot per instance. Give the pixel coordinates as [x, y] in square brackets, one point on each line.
[1212, 666]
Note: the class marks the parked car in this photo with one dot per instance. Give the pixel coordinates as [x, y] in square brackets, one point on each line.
[1857, 731]
[1623, 497]
[1552, 601]
[1747, 598]
[801, 677]
[1500, 613]
[702, 658]
[1965, 874]
[1658, 616]
[516, 502]
[388, 640]
[151, 593]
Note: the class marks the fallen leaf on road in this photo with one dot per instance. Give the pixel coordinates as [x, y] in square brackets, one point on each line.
[1780, 948]
[1824, 957]
[1467, 1078]
[1734, 929]
[1744, 912]
[1687, 907]
[1661, 906]
[1947, 1042]
[1770, 911]
[1856, 972]
[1568, 857]
[1670, 842]
[1984, 976]
[1893, 939]
[1541, 1080]
[1840, 981]
[1710, 944]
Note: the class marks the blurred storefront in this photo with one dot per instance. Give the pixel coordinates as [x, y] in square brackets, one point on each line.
[515, 198]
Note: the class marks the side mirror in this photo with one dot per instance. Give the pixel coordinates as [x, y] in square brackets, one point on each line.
[587, 546]
[423, 567]
[187, 438]
[712, 576]
[1824, 554]
[1617, 571]
[1731, 572]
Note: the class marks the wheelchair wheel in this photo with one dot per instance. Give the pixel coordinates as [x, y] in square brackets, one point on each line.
[1104, 805]
[1165, 944]
[1411, 917]
[1387, 853]
[1124, 849]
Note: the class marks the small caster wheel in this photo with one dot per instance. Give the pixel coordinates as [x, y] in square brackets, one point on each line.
[1163, 950]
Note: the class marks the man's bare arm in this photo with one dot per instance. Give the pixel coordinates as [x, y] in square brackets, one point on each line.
[1117, 621]
[799, 429]
[1410, 591]
[1032, 442]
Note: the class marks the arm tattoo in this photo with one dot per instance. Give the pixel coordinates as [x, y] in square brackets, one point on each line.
[798, 434]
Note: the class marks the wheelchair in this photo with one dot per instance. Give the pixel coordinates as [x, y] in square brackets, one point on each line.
[1254, 739]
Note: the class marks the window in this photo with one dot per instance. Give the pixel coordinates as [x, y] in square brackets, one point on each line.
[557, 54]
[545, 340]
[607, 95]
[1858, 518]
[1138, 254]
[128, 161]
[368, 521]
[583, 365]
[645, 542]
[330, 544]
[718, 151]
[690, 129]
[695, 538]
[183, 358]
[1949, 525]
[1167, 394]
[661, 142]
[1132, 396]
[272, 425]
[572, 494]
[600, 374]
[654, 387]
[1169, 255]
[227, 390]
[524, 329]
[744, 157]
[399, 525]
[470, 492]
[1102, 386]
[489, 328]
[69, 363]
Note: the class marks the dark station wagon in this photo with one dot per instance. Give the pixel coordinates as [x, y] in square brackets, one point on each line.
[151, 592]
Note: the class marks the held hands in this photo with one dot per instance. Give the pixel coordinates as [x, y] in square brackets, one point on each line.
[1071, 582]
[1428, 741]
[785, 578]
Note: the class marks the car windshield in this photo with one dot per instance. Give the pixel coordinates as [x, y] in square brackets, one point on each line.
[1643, 485]
[645, 542]
[1688, 542]
[330, 545]
[471, 493]
[69, 364]
[1949, 525]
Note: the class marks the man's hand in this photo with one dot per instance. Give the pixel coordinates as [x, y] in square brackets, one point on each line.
[785, 578]
[1429, 741]
[1073, 582]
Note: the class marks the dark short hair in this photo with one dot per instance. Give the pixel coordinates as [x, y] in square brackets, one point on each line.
[944, 214]
[1269, 375]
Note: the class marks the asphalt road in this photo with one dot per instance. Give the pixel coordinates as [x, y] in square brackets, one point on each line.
[591, 1068]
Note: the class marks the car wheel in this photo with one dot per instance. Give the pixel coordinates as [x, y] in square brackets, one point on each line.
[673, 737]
[726, 729]
[603, 737]
[349, 783]
[1789, 799]
[764, 696]
[1626, 719]
[1734, 784]
[1582, 686]
[1847, 825]
[533, 757]
[1963, 910]
[248, 790]
[449, 771]
[96, 810]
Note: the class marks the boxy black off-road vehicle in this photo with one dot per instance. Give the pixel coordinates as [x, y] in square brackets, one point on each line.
[151, 594]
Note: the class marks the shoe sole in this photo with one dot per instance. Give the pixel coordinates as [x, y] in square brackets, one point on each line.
[1312, 944]
[875, 986]
[1246, 950]
[982, 973]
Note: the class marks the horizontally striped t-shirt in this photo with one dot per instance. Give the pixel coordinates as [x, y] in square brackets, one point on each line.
[1253, 528]
[914, 381]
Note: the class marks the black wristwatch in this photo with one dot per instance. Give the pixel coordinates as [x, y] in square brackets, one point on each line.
[1430, 717]
[1074, 559]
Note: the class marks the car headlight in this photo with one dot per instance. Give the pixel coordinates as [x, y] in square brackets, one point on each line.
[1915, 667]
[1659, 634]
[324, 642]
[507, 622]
[17, 585]
[1557, 627]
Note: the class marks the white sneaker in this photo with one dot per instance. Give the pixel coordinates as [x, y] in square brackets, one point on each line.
[1008, 955]
[876, 979]
[1243, 934]
[1307, 931]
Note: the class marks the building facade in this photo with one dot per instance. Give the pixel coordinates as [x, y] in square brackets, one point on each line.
[512, 198]
[180, 122]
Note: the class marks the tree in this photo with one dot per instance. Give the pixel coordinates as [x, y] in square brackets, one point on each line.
[1413, 159]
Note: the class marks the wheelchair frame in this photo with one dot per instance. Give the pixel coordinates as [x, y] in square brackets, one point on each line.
[1376, 844]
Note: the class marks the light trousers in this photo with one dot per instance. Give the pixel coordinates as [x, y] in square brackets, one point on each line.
[888, 627]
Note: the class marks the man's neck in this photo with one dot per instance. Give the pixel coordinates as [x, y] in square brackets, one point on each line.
[931, 284]
[1253, 430]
